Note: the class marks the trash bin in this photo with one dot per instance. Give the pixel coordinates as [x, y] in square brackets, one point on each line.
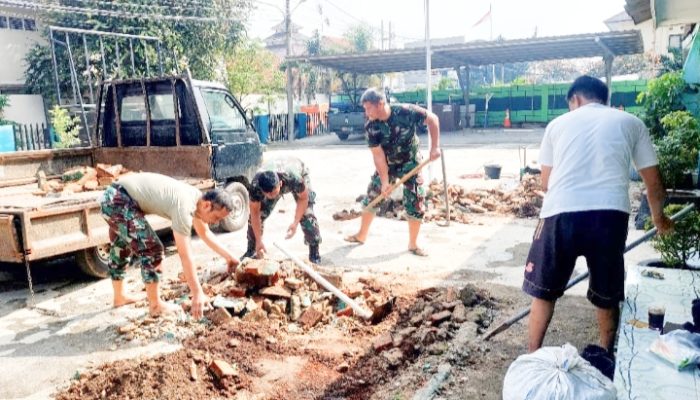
[262, 126]
[300, 125]
[492, 171]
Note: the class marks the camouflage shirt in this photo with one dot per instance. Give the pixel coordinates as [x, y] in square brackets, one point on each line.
[291, 171]
[398, 135]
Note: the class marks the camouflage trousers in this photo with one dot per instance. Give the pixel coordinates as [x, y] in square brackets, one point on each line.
[133, 240]
[413, 191]
[309, 222]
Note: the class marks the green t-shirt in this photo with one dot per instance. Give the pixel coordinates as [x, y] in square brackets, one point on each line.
[164, 196]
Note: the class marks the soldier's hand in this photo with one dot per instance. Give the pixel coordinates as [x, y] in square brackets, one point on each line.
[663, 224]
[231, 264]
[260, 251]
[386, 189]
[291, 230]
[199, 301]
[435, 153]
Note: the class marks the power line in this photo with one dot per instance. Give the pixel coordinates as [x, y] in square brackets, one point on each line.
[374, 28]
[108, 13]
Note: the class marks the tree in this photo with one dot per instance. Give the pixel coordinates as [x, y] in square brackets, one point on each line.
[360, 38]
[195, 36]
[4, 102]
[251, 69]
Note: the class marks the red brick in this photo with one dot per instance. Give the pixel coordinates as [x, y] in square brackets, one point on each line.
[345, 312]
[221, 369]
[275, 291]
[293, 283]
[383, 342]
[236, 291]
[450, 305]
[219, 316]
[437, 318]
[106, 181]
[353, 291]
[310, 317]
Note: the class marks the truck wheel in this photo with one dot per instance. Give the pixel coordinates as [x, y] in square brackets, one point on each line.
[94, 261]
[343, 136]
[238, 218]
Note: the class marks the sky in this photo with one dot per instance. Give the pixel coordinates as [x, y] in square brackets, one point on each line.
[513, 19]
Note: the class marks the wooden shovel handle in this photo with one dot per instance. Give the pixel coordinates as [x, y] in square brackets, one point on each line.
[397, 184]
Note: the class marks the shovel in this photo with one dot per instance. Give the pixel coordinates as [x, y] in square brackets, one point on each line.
[524, 312]
[374, 317]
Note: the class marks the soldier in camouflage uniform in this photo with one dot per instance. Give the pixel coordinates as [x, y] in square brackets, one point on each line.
[125, 205]
[276, 178]
[392, 137]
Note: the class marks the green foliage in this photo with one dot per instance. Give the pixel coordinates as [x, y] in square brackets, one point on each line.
[250, 68]
[186, 43]
[352, 84]
[446, 83]
[360, 37]
[683, 242]
[4, 102]
[67, 128]
[678, 150]
[663, 95]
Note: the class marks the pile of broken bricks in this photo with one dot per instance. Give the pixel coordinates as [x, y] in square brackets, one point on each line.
[260, 291]
[432, 321]
[80, 179]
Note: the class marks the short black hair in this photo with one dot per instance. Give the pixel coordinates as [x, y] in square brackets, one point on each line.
[219, 198]
[590, 88]
[267, 180]
[373, 95]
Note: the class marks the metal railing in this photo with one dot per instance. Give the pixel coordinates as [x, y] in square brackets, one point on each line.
[30, 137]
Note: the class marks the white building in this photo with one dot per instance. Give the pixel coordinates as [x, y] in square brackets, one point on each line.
[19, 31]
[657, 41]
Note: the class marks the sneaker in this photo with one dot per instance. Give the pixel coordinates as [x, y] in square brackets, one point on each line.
[314, 257]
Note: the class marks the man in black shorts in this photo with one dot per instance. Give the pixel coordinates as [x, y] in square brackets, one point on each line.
[585, 157]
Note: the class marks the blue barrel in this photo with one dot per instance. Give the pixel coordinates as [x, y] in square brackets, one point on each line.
[300, 125]
[262, 126]
[7, 138]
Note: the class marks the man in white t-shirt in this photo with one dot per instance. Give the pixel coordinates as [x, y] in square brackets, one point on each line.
[585, 157]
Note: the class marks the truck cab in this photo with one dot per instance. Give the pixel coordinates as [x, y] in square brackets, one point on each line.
[184, 128]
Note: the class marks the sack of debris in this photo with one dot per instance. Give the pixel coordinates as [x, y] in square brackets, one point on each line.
[556, 373]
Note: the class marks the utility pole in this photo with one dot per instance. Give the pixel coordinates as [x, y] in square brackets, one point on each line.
[290, 92]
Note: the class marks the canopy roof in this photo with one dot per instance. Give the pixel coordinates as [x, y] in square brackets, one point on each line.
[485, 52]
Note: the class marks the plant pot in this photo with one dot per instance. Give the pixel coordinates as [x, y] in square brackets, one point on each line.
[492, 171]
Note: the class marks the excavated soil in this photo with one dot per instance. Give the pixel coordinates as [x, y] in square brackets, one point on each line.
[346, 358]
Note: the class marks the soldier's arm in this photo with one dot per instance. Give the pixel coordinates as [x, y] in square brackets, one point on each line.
[381, 164]
[210, 240]
[184, 250]
[255, 221]
[302, 203]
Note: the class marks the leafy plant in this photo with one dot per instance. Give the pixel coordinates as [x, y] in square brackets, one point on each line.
[678, 149]
[663, 96]
[683, 242]
[67, 128]
[4, 102]
[250, 68]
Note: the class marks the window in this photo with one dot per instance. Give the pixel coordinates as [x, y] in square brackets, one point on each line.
[162, 106]
[29, 25]
[16, 23]
[674, 42]
[223, 114]
[133, 109]
[3, 22]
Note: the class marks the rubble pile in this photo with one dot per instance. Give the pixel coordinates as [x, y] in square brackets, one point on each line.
[524, 201]
[80, 179]
[432, 321]
[261, 291]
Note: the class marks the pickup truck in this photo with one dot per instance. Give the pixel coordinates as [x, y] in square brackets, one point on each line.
[344, 124]
[173, 125]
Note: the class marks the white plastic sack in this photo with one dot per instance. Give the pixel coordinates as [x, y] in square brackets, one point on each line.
[556, 373]
[680, 347]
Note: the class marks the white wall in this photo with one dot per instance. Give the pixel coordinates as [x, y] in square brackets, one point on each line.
[25, 109]
[14, 44]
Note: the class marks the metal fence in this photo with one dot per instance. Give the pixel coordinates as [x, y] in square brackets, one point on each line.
[32, 137]
[314, 124]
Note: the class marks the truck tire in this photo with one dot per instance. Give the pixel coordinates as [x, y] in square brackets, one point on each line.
[94, 261]
[238, 218]
[343, 136]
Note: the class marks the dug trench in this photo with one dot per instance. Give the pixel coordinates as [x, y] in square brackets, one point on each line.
[259, 350]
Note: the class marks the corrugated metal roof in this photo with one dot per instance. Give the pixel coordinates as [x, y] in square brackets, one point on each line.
[483, 53]
[639, 10]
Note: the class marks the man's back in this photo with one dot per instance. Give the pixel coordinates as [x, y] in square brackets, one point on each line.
[589, 150]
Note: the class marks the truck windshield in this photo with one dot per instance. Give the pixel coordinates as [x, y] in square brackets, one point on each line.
[224, 116]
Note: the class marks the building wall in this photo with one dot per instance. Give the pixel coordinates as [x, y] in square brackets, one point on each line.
[655, 41]
[15, 43]
[25, 109]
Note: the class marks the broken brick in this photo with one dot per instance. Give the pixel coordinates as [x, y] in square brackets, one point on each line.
[105, 181]
[90, 185]
[221, 369]
[438, 318]
[345, 312]
[193, 371]
[353, 291]
[275, 291]
[333, 278]
[236, 291]
[451, 294]
[108, 171]
[310, 317]
[450, 305]
[383, 342]
[219, 316]
[459, 314]
[293, 283]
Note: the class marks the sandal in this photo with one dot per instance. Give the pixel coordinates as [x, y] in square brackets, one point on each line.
[418, 252]
[353, 239]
